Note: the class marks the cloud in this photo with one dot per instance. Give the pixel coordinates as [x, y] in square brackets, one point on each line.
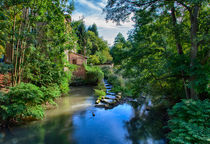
[89, 4]
[102, 3]
[100, 21]
[108, 30]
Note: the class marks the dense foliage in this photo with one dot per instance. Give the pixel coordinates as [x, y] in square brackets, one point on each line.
[167, 49]
[5, 68]
[100, 94]
[167, 57]
[115, 80]
[35, 37]
[94, 74]
[51, 93]
[190, 122]
[22, 101]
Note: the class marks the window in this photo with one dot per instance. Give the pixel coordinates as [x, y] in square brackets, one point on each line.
[74, 61]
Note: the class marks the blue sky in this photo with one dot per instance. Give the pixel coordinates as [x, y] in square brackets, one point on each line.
[91, 10]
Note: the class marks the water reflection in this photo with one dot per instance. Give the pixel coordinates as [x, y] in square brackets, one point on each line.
[146, 127]
[106, 127]
[74, 123]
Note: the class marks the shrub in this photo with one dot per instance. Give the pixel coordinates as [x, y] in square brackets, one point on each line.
[64, 84]
[5, 68]
[99, 93]
[51, 93]
[101, 86]
[22, 101]
[113, 79]
[93, 74]
[107, 72]
[190, 122]
[116, 82]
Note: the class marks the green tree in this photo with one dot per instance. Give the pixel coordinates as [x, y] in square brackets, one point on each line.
[94, 29]
[36, 27]
[81, 33]
[182, 29]
[119, 48]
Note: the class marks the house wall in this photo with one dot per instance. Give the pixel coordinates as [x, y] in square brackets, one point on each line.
[79, 59]
[80, 72]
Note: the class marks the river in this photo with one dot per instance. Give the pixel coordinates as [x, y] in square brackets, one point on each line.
[77, 121]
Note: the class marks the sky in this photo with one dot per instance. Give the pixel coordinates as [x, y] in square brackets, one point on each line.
[92, 12]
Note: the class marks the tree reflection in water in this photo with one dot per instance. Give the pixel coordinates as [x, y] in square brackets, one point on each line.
[146, 127]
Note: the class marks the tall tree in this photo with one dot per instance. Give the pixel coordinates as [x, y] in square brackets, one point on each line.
[35, 25]
[81, 33]
[179, 15]
[94, 29]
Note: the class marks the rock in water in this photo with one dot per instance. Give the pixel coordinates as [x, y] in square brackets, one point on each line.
[97, 101]
[119, 97]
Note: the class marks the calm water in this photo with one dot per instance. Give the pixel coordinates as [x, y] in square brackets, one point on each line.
[73, 123]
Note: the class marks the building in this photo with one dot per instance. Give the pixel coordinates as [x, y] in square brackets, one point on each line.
[79, 60]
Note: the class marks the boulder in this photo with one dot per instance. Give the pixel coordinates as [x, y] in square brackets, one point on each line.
[119, 93]
[106, 106]
[118, 96]
[97, 101]
[108, 101]
[100, 105]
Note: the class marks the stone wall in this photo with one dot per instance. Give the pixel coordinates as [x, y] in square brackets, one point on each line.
[80, 72]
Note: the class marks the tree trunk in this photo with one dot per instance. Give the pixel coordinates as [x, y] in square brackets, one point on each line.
[179, 49]
[194, 47]
[19, 43]
[12, 49]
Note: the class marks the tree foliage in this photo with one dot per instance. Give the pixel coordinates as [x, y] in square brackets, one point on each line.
[168, 43]
[94, 29]
[36, 33]
[35, 30]
[21, 102]
[91, 45]
[168, 58]
[190, 122]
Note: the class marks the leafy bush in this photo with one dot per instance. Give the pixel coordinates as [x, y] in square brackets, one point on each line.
[64, 82]
[101, 86]
[190, 122]
[113, 79]
[93, 59]
[99, 93]
[50, 93]
[22, 101]
[94, 74]
[5, 68]
[107, 72]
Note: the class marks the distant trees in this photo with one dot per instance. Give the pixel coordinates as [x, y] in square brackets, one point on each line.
[119, 48]
[94, 29]
[94, 47]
